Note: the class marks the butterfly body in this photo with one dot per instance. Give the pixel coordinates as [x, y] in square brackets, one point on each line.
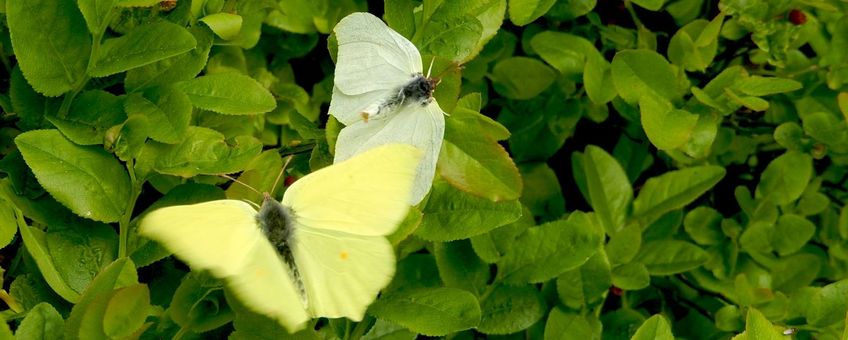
[418, 91]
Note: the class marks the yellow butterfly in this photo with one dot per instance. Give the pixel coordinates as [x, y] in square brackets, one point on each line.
[321, 252]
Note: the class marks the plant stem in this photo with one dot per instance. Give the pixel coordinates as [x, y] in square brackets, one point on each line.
[11, 302]
[636, 21]
[124, 224]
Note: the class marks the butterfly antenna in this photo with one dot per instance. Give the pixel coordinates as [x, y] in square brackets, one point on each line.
[280, 174]
[240, 182]
[430, 69]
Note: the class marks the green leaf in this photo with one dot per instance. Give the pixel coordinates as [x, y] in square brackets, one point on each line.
[225, 25]
[8, 223]
[429, 311]
[80, 251]
[703, 225]
[523, 12]
[763, 86]
[540, 126]
[228, 93]
[497, 242]
[141, 46]
[28, 104]
[166, 109]
[509, 309]
[120, 273]
[174, 69]
[384, 330]
[51, 43]
[453, 37]
[694, 46]
[631, 276]
[91, 115]
[826, 128]
[546, 251]
[126, 311]
[674, 190]
[609, 189]
[204, 151]
[585, 286]
[476, 163]
[757, 327]
[637, 73]
[791, 232]
[451, 214]
[565, 52]
[36, 244]
[624, 244]
[667, 257]
[41, 322]
[95, 13]
[85, 179]
[785, 178]
[667, 128]
[828, 306]
[198, 304]
[653, 5]
[542, 191]
[459, 267]
[655, 328]
[521, 77]
[562, 325]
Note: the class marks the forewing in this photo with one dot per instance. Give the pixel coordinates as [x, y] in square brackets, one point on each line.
[371, 56]
[364, 195]
[216, 236]
[265, 285]
[342, 273]
[422, 127]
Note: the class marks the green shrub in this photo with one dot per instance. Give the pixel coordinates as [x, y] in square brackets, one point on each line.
[610, 170]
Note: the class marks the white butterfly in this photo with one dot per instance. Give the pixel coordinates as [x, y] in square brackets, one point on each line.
[382, 96]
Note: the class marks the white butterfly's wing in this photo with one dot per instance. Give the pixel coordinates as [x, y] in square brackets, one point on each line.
[216, 236]
[365, 195]
[342, 273]
[224, 238]
[372, 56]
[422, 127]
[265, 286]
[348, 109]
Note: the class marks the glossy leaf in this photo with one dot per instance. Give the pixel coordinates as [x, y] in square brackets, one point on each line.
[87, 180]
[430, 311]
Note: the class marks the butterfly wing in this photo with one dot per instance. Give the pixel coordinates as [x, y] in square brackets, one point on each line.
[422, 127]
[372, 56]
[264, 284]
[216, 236]
[342, 273]
[223, 237]
[364, 195]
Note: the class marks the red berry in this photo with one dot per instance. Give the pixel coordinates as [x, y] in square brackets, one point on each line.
[616, 291]
[797, 17]
[289, 180]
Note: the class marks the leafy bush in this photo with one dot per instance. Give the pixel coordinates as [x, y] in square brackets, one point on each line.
[609, 170]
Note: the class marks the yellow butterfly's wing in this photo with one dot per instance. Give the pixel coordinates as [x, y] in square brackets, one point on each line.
[422, 127]
[216, 236]
[264, 284]
[342, 273]
[365, 195]
[371, 56]
[223, 237]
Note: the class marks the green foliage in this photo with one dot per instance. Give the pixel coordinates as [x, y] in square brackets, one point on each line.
[647, 169]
